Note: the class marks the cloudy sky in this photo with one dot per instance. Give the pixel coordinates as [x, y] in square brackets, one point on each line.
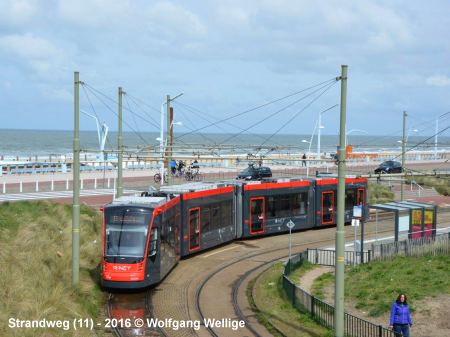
[226, 57]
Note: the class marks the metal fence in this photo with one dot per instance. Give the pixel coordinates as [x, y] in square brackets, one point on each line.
[320, 311]
[326, 257]
[429, 245]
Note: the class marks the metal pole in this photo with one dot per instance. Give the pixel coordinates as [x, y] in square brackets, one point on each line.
[340, 231]
[290, 243]
[168, 147]
[318, 135]
[120, 149]
[76, 184]
[403, 153]
[354, 243]
[161, 146]
[362, 239]
[436, 138]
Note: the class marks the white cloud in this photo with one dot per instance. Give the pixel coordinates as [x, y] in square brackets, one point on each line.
[41, 55]
[17, 12]
[175, 20]
[438, 81]
[95, 12]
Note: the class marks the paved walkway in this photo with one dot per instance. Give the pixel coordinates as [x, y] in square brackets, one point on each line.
[59, 194]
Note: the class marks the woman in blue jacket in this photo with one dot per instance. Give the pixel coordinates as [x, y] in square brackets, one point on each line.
[400, 316]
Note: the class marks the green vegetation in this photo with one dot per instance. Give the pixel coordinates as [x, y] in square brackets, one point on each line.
[440, 184]
[376, 284]
[276, 310]
[320, 284]
[373, 286]
[379, 194]
[35, 241]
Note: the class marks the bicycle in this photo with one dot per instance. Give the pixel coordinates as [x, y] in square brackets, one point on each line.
[191, 175]
[157, 177]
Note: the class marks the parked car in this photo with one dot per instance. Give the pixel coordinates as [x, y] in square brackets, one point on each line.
[389, 166]
[255, 173]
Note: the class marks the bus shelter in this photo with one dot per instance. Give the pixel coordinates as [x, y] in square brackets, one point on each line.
[415, 219]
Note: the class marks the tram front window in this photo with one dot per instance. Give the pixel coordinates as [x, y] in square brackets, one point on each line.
[126, 234]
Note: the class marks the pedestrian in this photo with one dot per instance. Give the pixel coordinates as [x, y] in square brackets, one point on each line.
[304, 159]
[181, 165]
[400, 317]
[173, 166]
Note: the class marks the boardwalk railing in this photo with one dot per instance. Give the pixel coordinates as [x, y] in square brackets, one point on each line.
[320, 311]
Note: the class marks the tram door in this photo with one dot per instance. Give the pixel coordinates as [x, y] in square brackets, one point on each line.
[327, 207]
[257, 215]
[360, 197]
[194, 228]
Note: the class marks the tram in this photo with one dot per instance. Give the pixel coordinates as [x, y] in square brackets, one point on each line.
[145, 236]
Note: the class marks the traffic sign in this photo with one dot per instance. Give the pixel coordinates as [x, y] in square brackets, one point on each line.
[290, 224]
[357, 211]
[355, 222]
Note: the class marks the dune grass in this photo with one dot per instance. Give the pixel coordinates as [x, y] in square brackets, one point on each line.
[440, 184]
[379, 194]
[372, 286]
[276, 310]
[35, 255]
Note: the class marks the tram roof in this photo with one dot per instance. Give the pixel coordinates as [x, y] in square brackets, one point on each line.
[137, 200]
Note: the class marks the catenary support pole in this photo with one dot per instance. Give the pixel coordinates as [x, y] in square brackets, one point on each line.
[403, 153]
[120, 149]
[340, 231]
[168, 147]
[76, 184]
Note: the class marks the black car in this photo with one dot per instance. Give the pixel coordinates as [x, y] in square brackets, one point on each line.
[255, 173]
[389, 166]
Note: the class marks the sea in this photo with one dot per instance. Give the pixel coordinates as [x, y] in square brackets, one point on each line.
[24, 143]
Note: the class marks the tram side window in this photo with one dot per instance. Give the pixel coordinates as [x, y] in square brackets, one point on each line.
[350, 198]
[153, 242]
[215, 217]
[300, 203]
[285, 205]
[205, 220]
[226, 213]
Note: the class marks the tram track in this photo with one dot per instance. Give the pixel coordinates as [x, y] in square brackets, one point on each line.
[118, 326]
[238, 282]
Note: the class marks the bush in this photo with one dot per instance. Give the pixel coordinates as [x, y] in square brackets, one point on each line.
[380, 194]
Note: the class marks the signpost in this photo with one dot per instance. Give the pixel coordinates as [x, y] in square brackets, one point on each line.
[290, 225]
[357, 215]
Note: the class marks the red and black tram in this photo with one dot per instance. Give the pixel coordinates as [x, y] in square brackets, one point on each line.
[144, 237]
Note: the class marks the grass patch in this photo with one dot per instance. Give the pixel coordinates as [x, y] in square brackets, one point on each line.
[36, 249]
[276, 310]
[320, 283]
[374, 286]
[379, 194]
[301, 270]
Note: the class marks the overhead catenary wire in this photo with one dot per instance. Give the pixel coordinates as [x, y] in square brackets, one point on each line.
[280, 110]
[201, 114]
[300, 111]
[259, 106]
[95, 112]
[422, 142]
[116, 114]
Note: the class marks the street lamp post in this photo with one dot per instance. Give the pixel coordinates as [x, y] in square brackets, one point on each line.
[436, 134]
[309, 151]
